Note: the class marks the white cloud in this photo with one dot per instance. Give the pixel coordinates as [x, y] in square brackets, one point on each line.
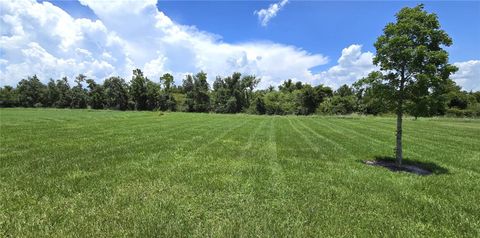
[43, 39]
[40, 38]
[352, 65]
[468, 75]
[265, 15]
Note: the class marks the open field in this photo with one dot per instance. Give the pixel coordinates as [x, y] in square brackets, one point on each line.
[111, 173]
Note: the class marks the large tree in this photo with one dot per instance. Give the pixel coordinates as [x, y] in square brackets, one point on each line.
[410, 53]
[79, 95]
[64, 93]
[201, 92]
[8, 97]
[166, 99]
[197, 95]
[115, 93]
[188, 87]
[96, 94]
[31, 92]
[168, 82]
[138, 90]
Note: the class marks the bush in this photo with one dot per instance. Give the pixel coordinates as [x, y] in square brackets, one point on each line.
[337, 105]
[455, 112]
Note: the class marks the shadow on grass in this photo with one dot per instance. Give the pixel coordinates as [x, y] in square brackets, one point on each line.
[408, 165]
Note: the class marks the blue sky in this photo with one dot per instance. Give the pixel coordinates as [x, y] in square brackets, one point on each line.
[318, 41]
[325, 26]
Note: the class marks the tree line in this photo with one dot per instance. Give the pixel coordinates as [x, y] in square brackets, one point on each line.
[237, 94]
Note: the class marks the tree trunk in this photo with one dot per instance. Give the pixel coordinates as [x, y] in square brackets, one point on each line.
[399, 149]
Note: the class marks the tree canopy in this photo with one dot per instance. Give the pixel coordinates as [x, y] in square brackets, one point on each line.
[415, 66]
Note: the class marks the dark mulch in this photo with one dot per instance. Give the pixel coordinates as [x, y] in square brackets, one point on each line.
[404, 168]
[408, 165]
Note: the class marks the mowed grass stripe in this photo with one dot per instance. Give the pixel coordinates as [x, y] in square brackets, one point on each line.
[200, 175]
[103, 149]
[323, 134]
[92, 167]
[387, 142]
[418, 140]
[126, 177]
[94, 133]
[421, 127]
[363, 146]
[433, 151]
[427, 131]
[305, 138]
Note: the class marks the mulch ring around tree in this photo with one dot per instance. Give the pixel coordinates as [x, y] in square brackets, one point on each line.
[409, 168]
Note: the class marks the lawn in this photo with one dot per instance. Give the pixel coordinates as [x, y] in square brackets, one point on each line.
[111, 173]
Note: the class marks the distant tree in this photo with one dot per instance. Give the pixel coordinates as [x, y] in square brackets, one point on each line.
[458, 99]
[166, 99]
[344, 91]
[260, 106]
[476, 95]
[248, 84]
[8, 97]
[220, 96]
[79, 95]
[96, 94]
[201, 95]
[196, 90]
[229, 94]
[306, 100]
[188, 90]
[270, 88]
[153, 93]
[410, 52]
[168, 82]
[337, 105]
[274, 104]
[342, 102]
[116, 93]
[373, 96]
[233, 94]
[31, 92]
[279, 103]
[299, 85]
[64, 93]
[138, 90]
[167, 102]
[430, 99]
[287, 86]
[322, 92]
[53, 94]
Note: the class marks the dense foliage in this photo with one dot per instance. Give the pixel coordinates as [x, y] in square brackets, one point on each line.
[235, 94]
[414, 65]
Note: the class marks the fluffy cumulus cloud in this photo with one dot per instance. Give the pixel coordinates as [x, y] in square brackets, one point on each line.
[468, 75]
[352, 65]
[265, 15]
[43, 39]
[40, 38]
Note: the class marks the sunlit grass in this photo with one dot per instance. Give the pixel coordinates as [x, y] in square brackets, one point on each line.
[111, 173]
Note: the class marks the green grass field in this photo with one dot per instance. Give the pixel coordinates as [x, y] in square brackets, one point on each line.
[110, 173]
